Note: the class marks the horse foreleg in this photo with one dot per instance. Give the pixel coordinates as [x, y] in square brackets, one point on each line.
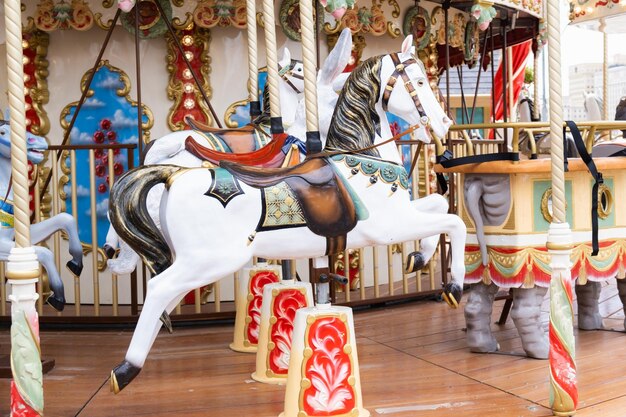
[46, 258]
[433, 203]
[587, 297]
[526, 314]
[63, 221]
[478, 318]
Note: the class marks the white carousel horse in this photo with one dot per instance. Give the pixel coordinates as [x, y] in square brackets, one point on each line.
[40, 231]
[213, 218]
[170, 149]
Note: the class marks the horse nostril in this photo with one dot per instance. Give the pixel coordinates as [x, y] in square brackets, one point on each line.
[447, 121]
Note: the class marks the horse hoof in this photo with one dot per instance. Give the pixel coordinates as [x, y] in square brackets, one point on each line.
[122, 375]
[414, 262]
[452, 294]
[109, 251]
[57, 304]
[75, 267]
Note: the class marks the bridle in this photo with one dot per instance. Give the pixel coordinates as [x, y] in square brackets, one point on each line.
[287, 72]
[400, 72]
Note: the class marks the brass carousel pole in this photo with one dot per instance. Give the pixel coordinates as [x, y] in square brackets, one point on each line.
[22, 268]
[563, 384]
[253, 66]
[605, 71]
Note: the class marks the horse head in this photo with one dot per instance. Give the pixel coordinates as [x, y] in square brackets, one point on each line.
[394, 83]
[407, 93]
[292, 72]
[35, 145]
[593, 106]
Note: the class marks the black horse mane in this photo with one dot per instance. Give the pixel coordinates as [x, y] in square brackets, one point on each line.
[531, 105]
[620, 113]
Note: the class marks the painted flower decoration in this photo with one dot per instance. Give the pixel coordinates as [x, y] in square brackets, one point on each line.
[484, 13]
[337, 7]
[126, 5]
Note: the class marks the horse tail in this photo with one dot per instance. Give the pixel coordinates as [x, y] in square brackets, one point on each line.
[130, 218]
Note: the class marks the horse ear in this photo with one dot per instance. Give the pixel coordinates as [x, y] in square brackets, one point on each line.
[337, 59]
[285, 60]
[7, 114]
[406, 44]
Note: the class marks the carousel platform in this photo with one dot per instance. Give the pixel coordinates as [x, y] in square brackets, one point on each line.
[413, 362]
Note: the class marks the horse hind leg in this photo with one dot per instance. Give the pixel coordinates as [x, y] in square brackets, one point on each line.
[164, 292]
[587, 297]
[478, 318]
[526, 314]
[433, 203]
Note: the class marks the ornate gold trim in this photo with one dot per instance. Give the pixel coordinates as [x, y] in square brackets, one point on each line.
[558, 246]
[368, 20]
[604, 194]
[207, 14]
[545, 205]
[80, 16]
[231, 110]
[201, 38]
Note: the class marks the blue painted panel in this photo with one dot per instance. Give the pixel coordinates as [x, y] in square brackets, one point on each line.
[105, 118]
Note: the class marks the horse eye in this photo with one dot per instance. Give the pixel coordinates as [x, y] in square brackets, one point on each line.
[3, 132]
[420, 82]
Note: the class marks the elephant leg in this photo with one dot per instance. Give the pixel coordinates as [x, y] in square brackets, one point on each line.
[478, 318]
[587, 297]
[621, 288]
[526, 314]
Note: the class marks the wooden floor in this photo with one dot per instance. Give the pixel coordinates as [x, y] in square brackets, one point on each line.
[413, 363]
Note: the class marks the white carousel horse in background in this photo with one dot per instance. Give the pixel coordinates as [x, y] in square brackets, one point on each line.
[170, 149]
[40, 231]
[620, 113]
[593, 107]
[213, 218]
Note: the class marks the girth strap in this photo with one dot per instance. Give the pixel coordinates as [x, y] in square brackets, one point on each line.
[597, 176]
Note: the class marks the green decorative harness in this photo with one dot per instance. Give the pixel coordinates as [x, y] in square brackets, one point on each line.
[388, 172]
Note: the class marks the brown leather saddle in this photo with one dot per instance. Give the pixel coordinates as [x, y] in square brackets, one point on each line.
[239, 140]
[271, 155]
[326, 202]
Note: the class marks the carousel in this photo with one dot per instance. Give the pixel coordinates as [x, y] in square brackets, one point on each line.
[243, 192]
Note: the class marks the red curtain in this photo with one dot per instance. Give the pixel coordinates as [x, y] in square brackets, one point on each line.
[520, 54]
